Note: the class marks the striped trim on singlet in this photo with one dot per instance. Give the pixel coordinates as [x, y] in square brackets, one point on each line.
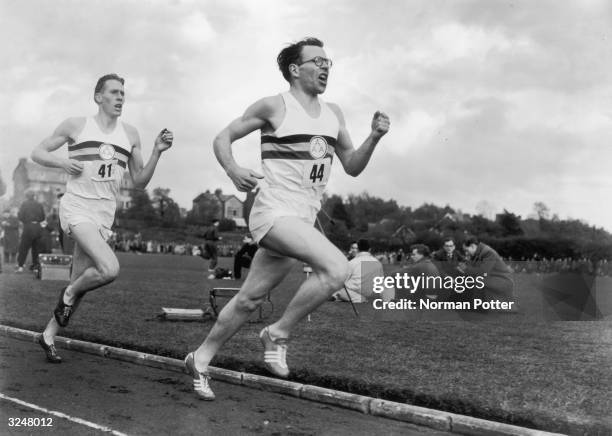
[88, 151]
[296, 147]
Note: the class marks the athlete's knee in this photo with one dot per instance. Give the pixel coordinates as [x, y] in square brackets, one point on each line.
[246, 303]
[334, 273]
[109, 270]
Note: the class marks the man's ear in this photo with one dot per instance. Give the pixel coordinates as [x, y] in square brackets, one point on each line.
[97, 98]
[294, 70]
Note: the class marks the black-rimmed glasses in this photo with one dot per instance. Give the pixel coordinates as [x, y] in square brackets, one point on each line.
[319, 61]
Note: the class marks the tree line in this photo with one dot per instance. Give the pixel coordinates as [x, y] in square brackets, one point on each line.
[390, 226]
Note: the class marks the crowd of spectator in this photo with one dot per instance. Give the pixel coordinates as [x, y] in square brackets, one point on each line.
[124, 242]
[12, 230]
[534, 264]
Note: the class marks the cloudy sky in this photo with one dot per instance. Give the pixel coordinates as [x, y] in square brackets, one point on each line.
[504, 102]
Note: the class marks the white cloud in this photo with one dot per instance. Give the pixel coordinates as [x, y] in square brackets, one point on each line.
[29, 107]
[196, 29]
[413, 132]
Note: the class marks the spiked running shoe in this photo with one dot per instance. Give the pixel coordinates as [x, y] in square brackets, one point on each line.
[201, 380]
[62, 311]
[275, 354]
[50, 350]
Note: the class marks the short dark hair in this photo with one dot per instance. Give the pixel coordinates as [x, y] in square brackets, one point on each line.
[470, 240]
[448, 239]
[421, 249]
[102, 80]
[363, 245]
[291, 54]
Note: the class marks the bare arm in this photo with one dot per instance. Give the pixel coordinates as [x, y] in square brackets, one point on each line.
[355, 160]
[257, 116]
[63, 134]
[141, 174]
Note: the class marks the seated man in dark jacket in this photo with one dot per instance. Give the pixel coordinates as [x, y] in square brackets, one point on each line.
[447, 259]
[485, 262]
[422, 266]
[244, 256]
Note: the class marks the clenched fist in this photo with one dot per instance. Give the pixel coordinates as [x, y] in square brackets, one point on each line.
[380, 124]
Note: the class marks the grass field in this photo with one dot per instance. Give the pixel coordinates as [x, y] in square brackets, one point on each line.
[554, 376]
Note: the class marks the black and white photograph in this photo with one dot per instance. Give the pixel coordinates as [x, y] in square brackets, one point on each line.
[275, 217]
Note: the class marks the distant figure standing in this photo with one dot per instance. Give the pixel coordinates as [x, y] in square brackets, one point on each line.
[50, 226]
[244, 256]
[211, 236]
[10, 227]
[31, 214]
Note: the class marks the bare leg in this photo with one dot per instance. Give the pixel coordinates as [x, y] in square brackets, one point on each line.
[94, 265]
[295, 239]
[267, 271]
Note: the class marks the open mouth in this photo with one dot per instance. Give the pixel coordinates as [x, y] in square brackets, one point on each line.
[323, 78]
[118, 106]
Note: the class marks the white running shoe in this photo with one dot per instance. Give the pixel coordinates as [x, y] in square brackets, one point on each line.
[275, 354]
[201, 380]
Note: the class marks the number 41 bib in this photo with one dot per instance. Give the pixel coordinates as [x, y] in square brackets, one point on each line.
[104, 170]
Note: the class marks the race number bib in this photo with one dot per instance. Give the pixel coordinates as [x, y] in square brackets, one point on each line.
[316, 173]
[105, 169]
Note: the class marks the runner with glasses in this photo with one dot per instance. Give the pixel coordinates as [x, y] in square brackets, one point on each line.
[300, 136]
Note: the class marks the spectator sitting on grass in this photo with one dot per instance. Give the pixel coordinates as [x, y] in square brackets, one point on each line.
[447, 259]
[486, 263]
[363, 268]
[353, 250]
[421, 265]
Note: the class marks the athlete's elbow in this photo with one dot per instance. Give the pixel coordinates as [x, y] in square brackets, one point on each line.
[221, 141]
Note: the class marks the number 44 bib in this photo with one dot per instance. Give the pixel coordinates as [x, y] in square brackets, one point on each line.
[316, 173]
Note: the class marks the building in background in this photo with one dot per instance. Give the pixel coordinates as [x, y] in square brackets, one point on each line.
[210, 205]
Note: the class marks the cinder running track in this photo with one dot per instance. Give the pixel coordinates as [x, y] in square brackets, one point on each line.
[100, 395]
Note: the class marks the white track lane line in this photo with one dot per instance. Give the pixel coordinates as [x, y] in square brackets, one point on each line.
[63, 415]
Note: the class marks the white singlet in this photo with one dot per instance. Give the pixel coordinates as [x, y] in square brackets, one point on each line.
[296, 162]
[91, 195]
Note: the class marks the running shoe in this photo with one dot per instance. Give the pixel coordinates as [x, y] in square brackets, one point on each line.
[275, 353]
[201, 380]
[62, 311]
[50, 350]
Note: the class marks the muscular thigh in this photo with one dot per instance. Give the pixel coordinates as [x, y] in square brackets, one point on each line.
[91, 249]
[267, 271]
[290, 236]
